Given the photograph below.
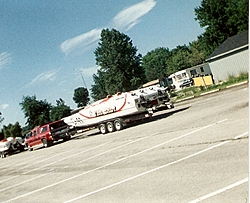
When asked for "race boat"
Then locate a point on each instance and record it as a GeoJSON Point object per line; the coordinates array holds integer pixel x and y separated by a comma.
{"type": "Point", "coordinates": [113, 112]}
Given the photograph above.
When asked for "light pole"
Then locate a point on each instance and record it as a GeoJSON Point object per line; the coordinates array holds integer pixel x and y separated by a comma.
{"type": "Point", "coordinates": [1, 120]}
{"type": "Point", "coordinates": [83, 80]}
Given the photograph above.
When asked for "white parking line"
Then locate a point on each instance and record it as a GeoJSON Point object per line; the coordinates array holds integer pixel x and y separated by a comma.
{"type": "Point", "coordinates": [20, 183]}
{"type": "Point", "coordinates": [19, 164]}
{"type": "Point", "coordinates": [220, 191]}
{"type": "Point", "coordinates": [153, 170]}
{"type": "Point", "coordinates": [28, 165]}
{"type": "Point", "coordinates": [59, 154]}
{"type": "Point", "coordinates": [110, 150]}
{"type": "Point", "coordinates": [100, 167]}
{"type": "Point", "coordinates": [64, 158]}
{"type": "Point", "coordinates": [130, 142]}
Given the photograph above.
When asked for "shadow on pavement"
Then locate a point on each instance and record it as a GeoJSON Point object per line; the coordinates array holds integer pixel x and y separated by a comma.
{"type": "Point", "coordinates": [167, 114]}
{"type": "Point", "coordinates": [160, 114]}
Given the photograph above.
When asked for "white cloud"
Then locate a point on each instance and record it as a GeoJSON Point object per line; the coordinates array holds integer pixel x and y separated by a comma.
{"type": "Point", "coordinates": [82, 41]}
{"type": "Point", "coordinates": [5, 59]}
{"type": "Point", "coordinates": [4, 106]}
{"type": "Point", "coordinates": [45, 77]}
{"type": "Point", "coordinates": [124, 20]}
{"type": "Point", "coordinates": [130, 16]}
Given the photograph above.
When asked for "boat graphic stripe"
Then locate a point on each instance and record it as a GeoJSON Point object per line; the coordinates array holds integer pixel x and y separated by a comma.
{"type": "Point", "coordinates": [123, 103]}
{"type": "Point", "coordinates": [90, 117]}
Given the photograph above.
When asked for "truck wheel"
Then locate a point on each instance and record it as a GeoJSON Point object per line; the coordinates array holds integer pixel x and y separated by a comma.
{"type": "Point", "coordinates": [28, 147]}
{"type": "Point", "coordinates": [110, 127]}
{"type": "Point", "coordinates": [118, 124]}
{"type": "Point", "coordinates": [46, 143]}
{"type": "Point", "coordinates": [103, 128]}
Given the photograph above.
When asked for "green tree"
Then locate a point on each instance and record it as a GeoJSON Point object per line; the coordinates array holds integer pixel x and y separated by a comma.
{"type": "Point", "coordinates": [154, 63]}
{"type": "Point", "coordinates": [59, 111]}
{"type": "Point", "coordinates": [81, 96]}
{"type": "Point", "coordinates": [242, 16]}
{"type": "Point", "coordinates": [36, 111]}
{"type": "Point", "coordinates": [221, 19]}
{"type": "Point", "coordinates": [16, 130]}
{"type": "Point", "coordinates": [119, 63]}
{"type": "Point", "coordinates": [179, 60]}
{"type": "Point", "coordinates": [7, 131]}
{"type": "Point", "coordinates": [12, 130]}
{"type": "Point", "coordinates": [197, 54]}
{"type": "Point", "coordinates": [98, 89]}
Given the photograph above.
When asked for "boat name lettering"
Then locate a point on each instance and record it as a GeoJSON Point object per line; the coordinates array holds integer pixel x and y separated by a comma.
{"type": "Point", "coordinates": [120, 98]}
{"type": "Point", "coordinates": [104, 111]}
{"type": "Point", "coordinates": [77, 120]}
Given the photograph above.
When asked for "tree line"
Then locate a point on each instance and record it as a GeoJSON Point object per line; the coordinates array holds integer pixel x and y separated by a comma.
{"type": "Point", "coordinates": [122, 68]}
{"type": "Point", "coordinates": [38, 112]}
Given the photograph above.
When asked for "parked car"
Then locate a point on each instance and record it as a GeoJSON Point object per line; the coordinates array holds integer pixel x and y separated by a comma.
{"type": "Point", "coordinates": [187, 83]}
{"type": "Point", "coordinates": [11, 145]}
{"type": "Point", "coordinates": [46, 134]}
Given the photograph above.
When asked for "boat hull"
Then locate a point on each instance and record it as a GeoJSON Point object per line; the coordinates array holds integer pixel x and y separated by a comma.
{"type": "Point", "coordinates": [117, 106]}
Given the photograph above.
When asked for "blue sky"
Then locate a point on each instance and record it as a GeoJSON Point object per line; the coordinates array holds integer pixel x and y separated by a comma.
{"type": "Point", "coordinates": [45, 46]}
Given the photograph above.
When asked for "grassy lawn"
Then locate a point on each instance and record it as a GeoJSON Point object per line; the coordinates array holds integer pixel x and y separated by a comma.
{"type": "Point", "coordinates": [197, 91]}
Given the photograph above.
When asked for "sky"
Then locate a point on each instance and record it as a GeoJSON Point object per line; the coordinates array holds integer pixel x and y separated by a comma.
{"type": "Point", "coordinates": [47, 47]}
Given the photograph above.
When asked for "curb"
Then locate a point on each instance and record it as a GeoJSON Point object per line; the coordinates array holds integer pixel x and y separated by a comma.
{"type": "Point", "coordinates": [210, 92]}
{"type": "Point", "coordinates": [205, 93]}
{"type": "Point", "coordinates": [237, 84]}
{"type": "Point", "coordinates": [184, 99]}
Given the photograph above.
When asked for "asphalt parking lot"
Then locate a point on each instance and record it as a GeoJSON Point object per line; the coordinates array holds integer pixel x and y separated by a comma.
{"type": "Point", "coordinates": [196, 152]}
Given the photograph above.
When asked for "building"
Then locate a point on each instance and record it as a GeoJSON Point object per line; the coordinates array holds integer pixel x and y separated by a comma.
{"type": "Point", "coordinates": [231, 58]}
{"type": "Point", "coordinates": [200, 74]}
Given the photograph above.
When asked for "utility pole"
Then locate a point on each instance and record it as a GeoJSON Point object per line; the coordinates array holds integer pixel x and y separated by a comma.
{"type": "Point", "coordinates": [1, 120]}
{"type": "Point", "coordinates": [83, 80]}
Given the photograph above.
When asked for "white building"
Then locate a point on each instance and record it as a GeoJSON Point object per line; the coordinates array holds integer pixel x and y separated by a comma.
{"type": "Point", "coordinates": [231, 58]}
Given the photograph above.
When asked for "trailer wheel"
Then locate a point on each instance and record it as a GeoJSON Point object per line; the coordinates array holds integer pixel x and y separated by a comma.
{"type": "Point", "coordinates": [110, 127]}
{"type": "Point", "coordinates": [67, 137]}
{"type": "Point", "coordinates": [3, 155]}
{"type": "Point", "coordinates": [103, 128]}
{"type": "Point", "coordinates": [118, 124]}
{"type": "Point", "coordinates": [20, 147]}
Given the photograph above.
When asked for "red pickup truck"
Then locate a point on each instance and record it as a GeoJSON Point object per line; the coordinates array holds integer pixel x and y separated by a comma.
{"type": "Point", "coordinates": [46, 134]}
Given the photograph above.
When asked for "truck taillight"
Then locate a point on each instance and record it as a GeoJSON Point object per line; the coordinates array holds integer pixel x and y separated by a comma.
{"type": "Point", "coordinates": [50, 135]}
